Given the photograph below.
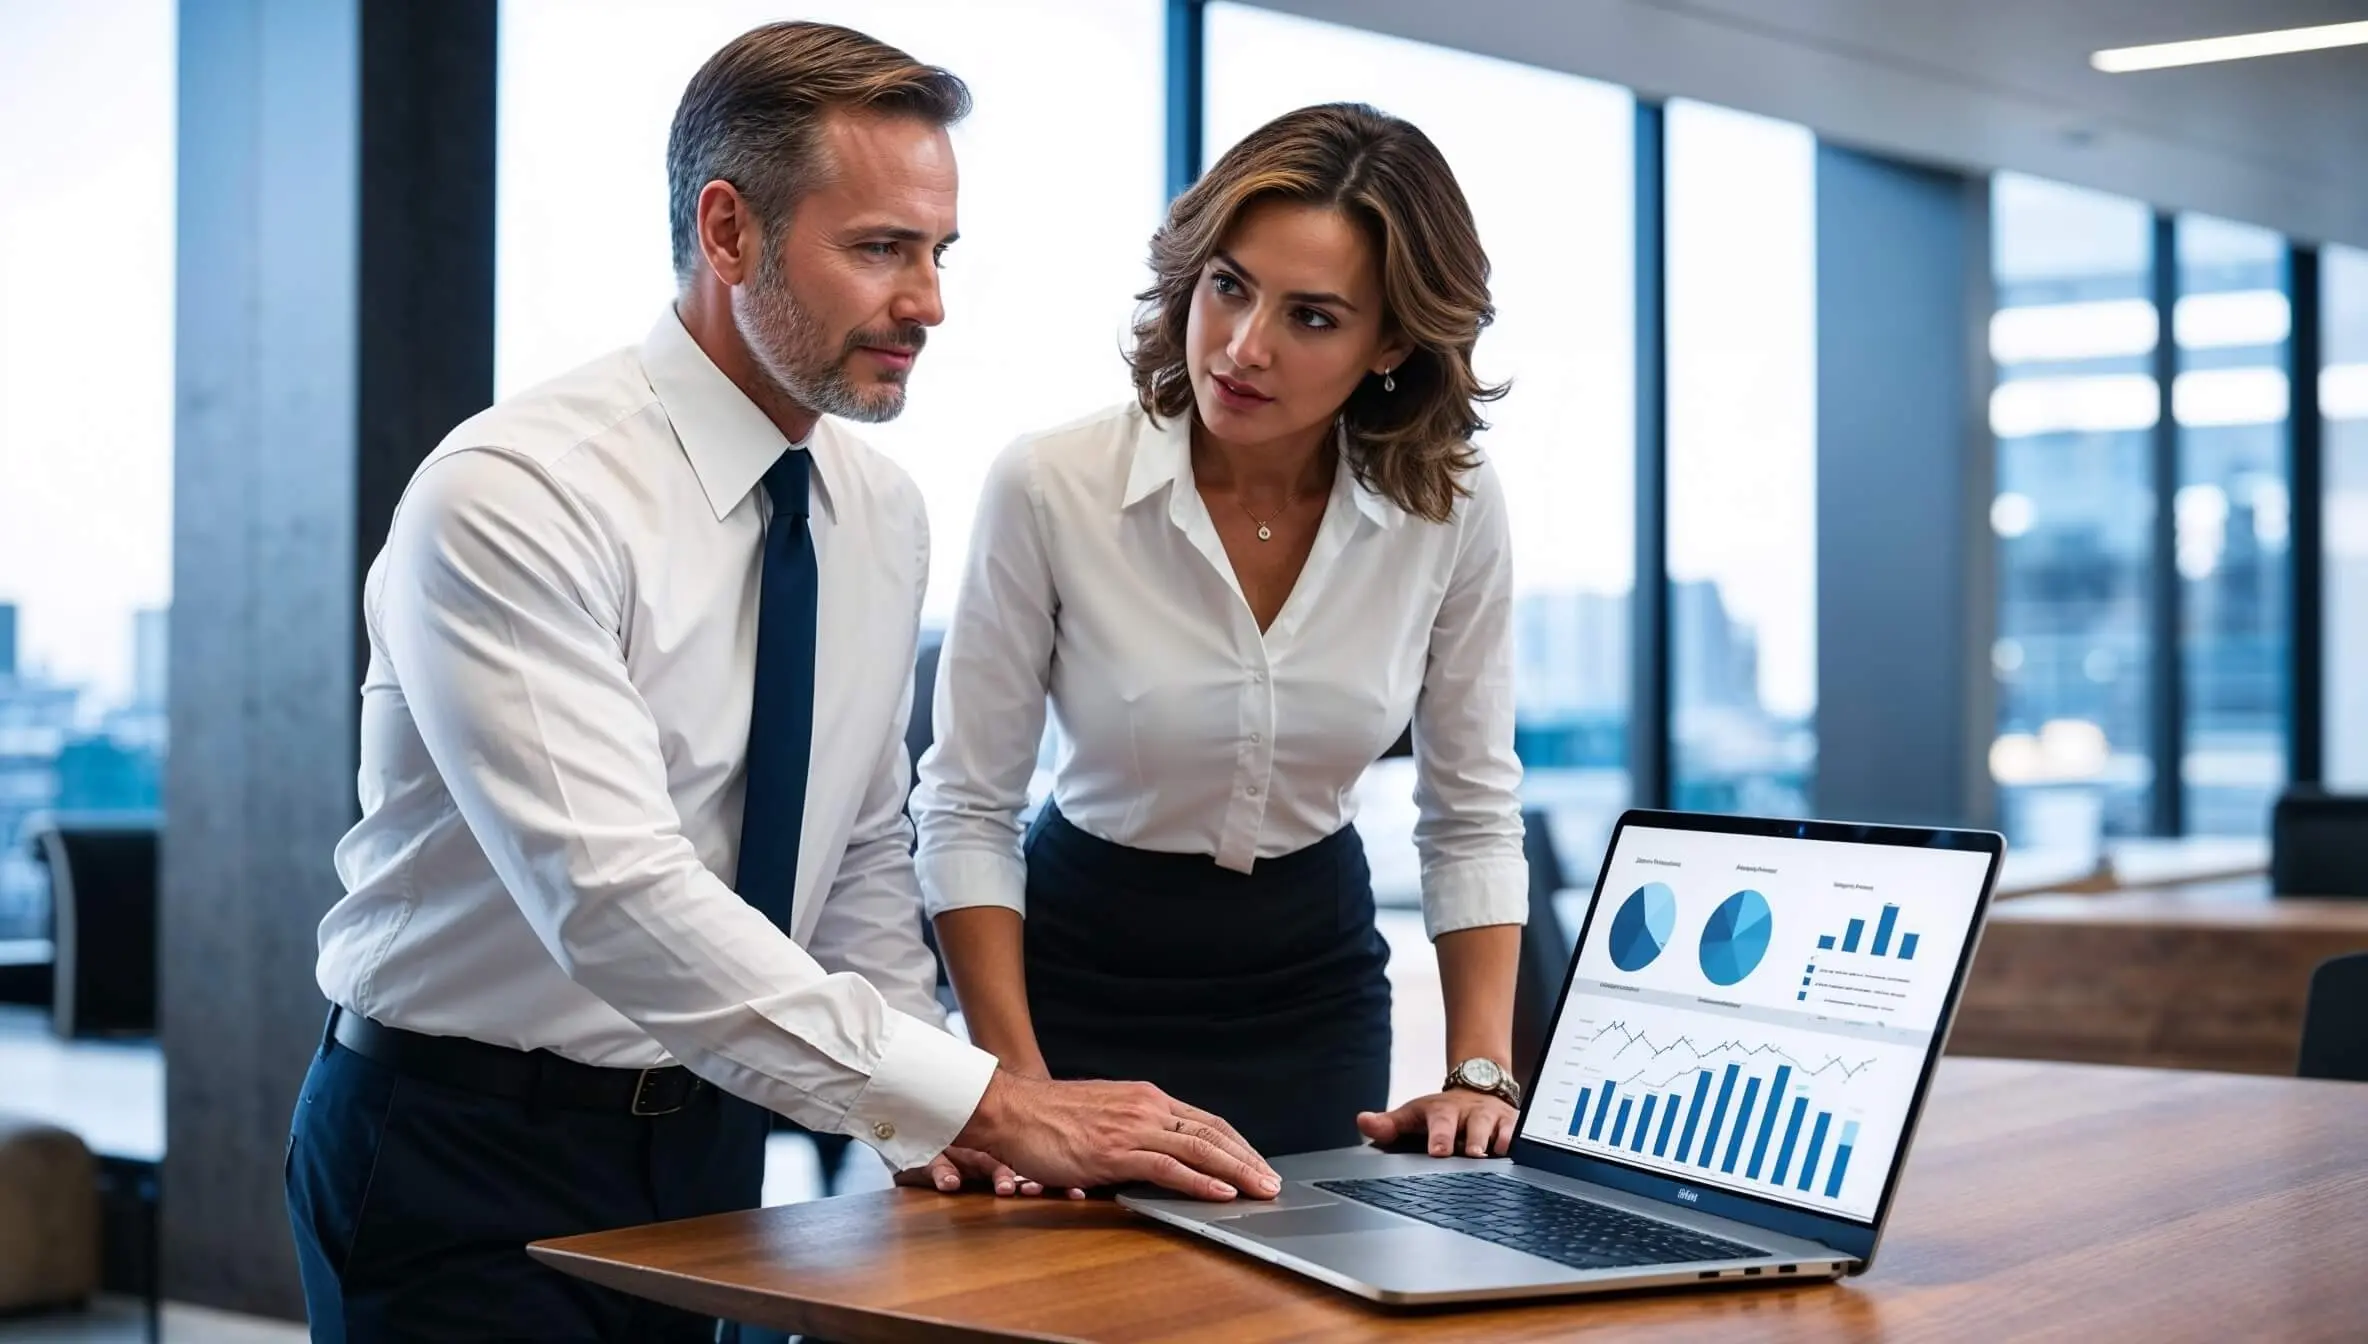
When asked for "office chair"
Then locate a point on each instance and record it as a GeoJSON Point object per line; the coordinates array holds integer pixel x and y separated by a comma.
{"type": "Point", "coordinates": [2335, 1021]}
{"type": "Point", "coordinates": [1545, 949]}
{"type": "Point", "coordinates": [2318, 843]}
{"type": "Point", "coordinates": [102, 881]}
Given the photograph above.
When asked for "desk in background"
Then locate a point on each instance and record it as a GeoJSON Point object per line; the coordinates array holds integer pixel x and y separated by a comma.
{"type": "Point", "coordinates": [2043, 1201]}
{"type": "Point", "coordinates": [2210, 976]}
{"type": "Point", "coordinates": [2143, 861]}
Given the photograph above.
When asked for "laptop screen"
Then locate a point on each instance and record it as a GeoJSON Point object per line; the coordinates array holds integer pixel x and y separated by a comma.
{"type": "Point", "coordinates": [1754, 1013]}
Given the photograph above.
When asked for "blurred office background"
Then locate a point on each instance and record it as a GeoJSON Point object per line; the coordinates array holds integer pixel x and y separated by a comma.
{"type": "Point", "coordinates": [1909, 423]}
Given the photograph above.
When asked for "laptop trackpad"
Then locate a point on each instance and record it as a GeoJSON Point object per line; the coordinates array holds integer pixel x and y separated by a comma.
{"type": "Point", "coordinates": [1322, 1220]}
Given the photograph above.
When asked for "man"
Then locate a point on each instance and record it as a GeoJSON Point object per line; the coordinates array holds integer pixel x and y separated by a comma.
{"type": "Point", "coordinates": [633, 868]}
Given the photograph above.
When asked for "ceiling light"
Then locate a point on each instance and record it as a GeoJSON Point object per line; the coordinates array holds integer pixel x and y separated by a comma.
{"type": "Point", "coordinates": [2242, 46]}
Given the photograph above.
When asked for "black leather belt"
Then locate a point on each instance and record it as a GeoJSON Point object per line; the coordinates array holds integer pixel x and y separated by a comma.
{"type": "Point", "coordinates": [537, 1077]}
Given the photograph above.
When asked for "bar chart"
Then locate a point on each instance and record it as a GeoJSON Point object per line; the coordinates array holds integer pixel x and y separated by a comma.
{"type": "Point", "coordinates": [1725, 1119]}
{"type": "Point", "coordinates": [1886, 925]}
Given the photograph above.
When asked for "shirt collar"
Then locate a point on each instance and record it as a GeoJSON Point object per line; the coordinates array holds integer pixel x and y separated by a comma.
{"type": "Point", "coordinates": [730, 443]}
{"type": "Point", "coordinates": [1163, 457]}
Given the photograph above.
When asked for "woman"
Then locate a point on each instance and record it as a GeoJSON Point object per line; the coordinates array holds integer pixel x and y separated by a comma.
{"type": "Point", "coordinates": [1234, 594]}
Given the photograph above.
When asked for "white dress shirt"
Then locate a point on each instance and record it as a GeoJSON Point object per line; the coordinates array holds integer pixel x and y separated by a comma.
{"type": "Point", "coordinates": [562, 648]}
{"type": "Point", "coordinates": [1096, 581]}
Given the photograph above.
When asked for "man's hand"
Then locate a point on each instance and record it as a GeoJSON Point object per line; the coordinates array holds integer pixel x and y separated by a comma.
{"type": "Point", "coordinates": [1079, 1135]}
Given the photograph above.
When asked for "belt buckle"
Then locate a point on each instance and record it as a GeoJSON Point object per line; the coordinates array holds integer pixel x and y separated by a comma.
{"type": "Point", "coordinates": [641, 1091]}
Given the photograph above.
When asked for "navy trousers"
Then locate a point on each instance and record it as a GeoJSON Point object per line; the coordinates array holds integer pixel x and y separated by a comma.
{"type": "Point", "coordinates": [1262, 996]}
{"type": "Point", "coordinates": [413, 1203]}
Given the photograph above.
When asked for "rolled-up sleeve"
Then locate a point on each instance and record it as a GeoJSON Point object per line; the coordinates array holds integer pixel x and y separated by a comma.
{"type": "Point", "coordinates": [499, 612]}
{"type": "Point", "coordinates": [992, 676]}
{"type": "Point", "coordinates": [1467, 778]}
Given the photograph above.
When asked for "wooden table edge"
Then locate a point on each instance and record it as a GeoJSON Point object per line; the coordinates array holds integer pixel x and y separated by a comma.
{"type": "Point", "coordinates": [796, 1315]}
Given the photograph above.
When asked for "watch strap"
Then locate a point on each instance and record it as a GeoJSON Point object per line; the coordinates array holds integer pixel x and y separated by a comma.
{"type": "Point", "coordinates": [1505, 1090]}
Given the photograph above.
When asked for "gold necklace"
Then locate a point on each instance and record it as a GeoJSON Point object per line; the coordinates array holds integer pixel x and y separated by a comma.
{"type": "Point", "coordinates": [1266, 532]}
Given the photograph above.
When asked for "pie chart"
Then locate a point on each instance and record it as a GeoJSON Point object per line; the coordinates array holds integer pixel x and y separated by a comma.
{"type": "Point", "coordinates": [1642, 927]}
{"type": "Point", "coordinates": [1734, 940]}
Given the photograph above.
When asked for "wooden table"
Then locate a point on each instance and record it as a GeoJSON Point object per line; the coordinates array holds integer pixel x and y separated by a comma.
{"type": "Point", "coordinates": [2043, 1201]}
{"type": "Point", "coordinates": [2211, 976]}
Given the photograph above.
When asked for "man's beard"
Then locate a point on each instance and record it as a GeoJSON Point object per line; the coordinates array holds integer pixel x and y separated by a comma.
{"type": "Point", "coordinates": [789, 345]}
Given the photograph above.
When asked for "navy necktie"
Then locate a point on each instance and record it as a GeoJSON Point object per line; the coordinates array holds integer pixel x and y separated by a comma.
{"type": "Point", "coordinates": [781, 720]}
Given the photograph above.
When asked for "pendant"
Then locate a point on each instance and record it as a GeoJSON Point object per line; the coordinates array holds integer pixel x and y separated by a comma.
{"type": "Point", "coordinates": [1265, 533]}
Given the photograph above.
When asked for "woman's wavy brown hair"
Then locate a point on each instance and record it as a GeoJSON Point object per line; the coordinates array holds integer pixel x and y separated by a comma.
{"type": "Point", "coordinates": [1410, 445]}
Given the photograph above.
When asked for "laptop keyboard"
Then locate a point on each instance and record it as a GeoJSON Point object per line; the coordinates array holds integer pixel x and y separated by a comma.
{"type": "Point", "coordinates": [1562, 1228]}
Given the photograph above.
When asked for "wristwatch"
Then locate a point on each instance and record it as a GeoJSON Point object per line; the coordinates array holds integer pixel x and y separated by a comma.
{"type": "Point", "coordinates": [1485, 1075]}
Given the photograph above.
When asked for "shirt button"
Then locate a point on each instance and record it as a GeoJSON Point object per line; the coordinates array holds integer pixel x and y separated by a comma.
{"type": "Point", "coordinates": [1255, 739]}
{"type": "Point", "coordinates": [883, 1131]}
{"type": "Point", "coordinates": [1253, 790]}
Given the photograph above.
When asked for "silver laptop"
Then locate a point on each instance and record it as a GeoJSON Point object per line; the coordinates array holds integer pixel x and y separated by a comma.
{"type": "Point", "coordinates": [1726, 1094]}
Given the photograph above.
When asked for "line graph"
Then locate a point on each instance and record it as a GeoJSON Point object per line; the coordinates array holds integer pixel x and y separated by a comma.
{"type": "Point", "coordinates": [1631, 1041]}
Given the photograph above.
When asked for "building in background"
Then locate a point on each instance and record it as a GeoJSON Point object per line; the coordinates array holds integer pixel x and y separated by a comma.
{"type": "Point", "coordinates": [61, 753]}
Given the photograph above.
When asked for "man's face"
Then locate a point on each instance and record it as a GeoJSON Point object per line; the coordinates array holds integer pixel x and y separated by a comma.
{"type": "Point", "coordinates": [843, 298]}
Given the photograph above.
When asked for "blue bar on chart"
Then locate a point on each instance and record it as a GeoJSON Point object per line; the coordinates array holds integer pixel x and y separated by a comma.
{"type": "Point", "coordinates": [1883, 928]}
{"type": "Point", "coordinates": [1825, 941]}
{"type": "Point", "coordinates": [1620, 1125]}
{"type": "Point", "coordinates": [1718, 1115]}
{"type": "Point", "coordinates": [1816, 1146]}
{"type": "Point", "coordinates": [1644, 1121]}
{"type": "Point", "coordinates": [1759, 1146]}
{"type": "Point", "coordinates": [1578, 1113]}
{"type": "Point", "coordinates": [1603, 1107]}
{"type": "Point", "coordinates": [1685, 1144]}
{"type": "Point", "coordinates": [1850, 935]}
{"type": "Point", "coordinates": [1751, 1094]}
{"type": "Point", "coordinates": [1668, 1122]}
{"type": "Point", "coordinates": [1907, 947]}
{"type": "Point", "coordinates": [1833, 1178]}
{"type": "Point", "coordinates": [1792, 1131]}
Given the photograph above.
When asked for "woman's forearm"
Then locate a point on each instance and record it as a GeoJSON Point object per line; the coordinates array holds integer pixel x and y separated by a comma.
{"type": "Point", "coordinates": [1476, 970]}
{"type": "Point", "coordinates": [982, 947]}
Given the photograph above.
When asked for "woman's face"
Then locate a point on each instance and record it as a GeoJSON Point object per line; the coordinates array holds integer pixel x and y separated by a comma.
{"type": "Point", "coordinates": [1285, 321]}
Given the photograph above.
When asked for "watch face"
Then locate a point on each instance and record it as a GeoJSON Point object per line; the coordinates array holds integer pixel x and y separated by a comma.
{"type": "Point", "coordinates": [1482, 1073]}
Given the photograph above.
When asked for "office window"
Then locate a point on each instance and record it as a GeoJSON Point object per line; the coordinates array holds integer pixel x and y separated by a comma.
{"type": "Point", "coordinates": [2073, 339]}
{"type": "Point", "coordinates": [1742, 311]}
{"type": "Point", "coordinates": [86, 419]}
{"type": "Point", "coordinates": [2343, 404]}
{"type": "Point", "coordinates": [1062, 183]}
{"type": "Point", "coordinates": [1561, 245]}
{"type": "Point", "coordinates": [2230, 401]}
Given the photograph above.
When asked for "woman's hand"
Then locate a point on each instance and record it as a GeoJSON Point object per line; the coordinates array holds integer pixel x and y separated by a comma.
{"type": "Point", "coordinates": [1479, 1124]}
{"type": "Point", "coordinates": [956, 1168]}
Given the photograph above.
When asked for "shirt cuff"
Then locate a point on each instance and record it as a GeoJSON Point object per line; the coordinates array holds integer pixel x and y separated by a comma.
{"type": "Point", "coordinates": [1473, 893]}
{"type": "Point", "coordinates": [921, 1094]}
{"type": "Point", "coordinates": [953, 879]}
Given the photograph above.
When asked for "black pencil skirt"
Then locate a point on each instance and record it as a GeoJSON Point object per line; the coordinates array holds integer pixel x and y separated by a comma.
{"type": "Point", "coordinates": [1261, 996]}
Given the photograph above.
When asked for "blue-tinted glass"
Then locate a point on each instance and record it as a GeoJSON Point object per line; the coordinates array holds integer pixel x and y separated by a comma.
{"type": "Point", "coordinates": [1742, 287]}
{"type": "Point", "coordinates": [2073, 339]}
{"type": "Point", "coordinates": [2231, 511]}
{"type": "Point", "coordinates": [86, 419]}
{"type": "Point", "coordinates": [1561, 247]}
{"type": "Point", "coordinates": [2343, 402]}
